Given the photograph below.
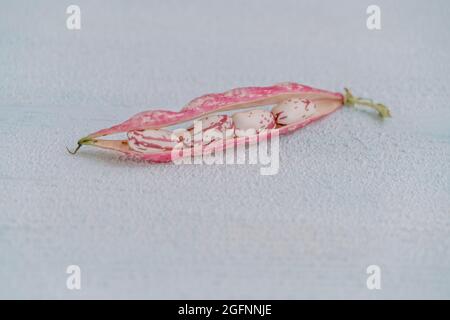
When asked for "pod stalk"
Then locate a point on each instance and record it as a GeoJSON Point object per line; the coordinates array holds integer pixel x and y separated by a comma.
{"type": "Point", "coordinates": [351, 101]}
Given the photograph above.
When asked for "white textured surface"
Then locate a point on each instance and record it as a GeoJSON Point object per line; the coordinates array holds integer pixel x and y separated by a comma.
{"type": "Point", "coordinates": [351, 190]}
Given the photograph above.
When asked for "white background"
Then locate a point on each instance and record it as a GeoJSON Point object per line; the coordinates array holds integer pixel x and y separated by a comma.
{"type": "Point", "coordinates": [351, 191]}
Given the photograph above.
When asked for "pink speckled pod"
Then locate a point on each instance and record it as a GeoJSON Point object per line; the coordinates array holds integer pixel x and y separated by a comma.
{"type": "Point", "coordinates": [325, 103]}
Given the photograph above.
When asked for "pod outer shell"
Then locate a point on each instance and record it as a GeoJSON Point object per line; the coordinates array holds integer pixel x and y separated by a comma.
{"type": "Point", "coordinates": [229, 100]}
{"type": "Point", "coordinates": [240, 98]}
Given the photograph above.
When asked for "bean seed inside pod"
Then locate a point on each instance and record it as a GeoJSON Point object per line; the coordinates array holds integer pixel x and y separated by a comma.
{"type": "Point", "coordinates": [151, 140]}
{"type": "Point", "coordinates": [215, 127]}
{"type": "Point", "coordinates": [293, 110]}
{"type": "Point", "coordinates": [253, 122]}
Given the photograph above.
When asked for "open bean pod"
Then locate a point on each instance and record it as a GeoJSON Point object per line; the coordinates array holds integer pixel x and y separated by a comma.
{"type": "Point", "coordinates": [149, 136]}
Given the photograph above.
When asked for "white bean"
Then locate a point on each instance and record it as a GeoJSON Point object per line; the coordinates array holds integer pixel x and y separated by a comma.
{"type": "Point", "coordinates": [293, 110]}
{"type": "Point", "coordinates": [215, 127]}
{"type": "Point", "coordinates": [252, 122]}
{"type": "Point", "coordinates": [151, 140]}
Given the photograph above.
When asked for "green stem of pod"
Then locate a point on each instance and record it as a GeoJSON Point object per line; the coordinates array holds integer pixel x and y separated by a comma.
{"type": "Point", "coordinates": [351, 101]}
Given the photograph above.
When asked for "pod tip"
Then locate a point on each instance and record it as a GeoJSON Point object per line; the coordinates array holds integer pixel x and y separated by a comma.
{"type": "Point", "coordinates": [75, 151]}
{"type": "Point", "coordinates": [82, 141]}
